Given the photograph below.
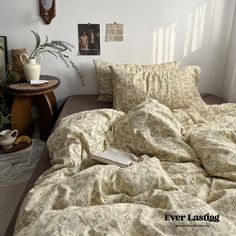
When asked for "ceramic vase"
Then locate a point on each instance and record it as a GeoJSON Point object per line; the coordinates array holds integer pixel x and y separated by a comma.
{"type": "Point", "coordinates": [31, 66]}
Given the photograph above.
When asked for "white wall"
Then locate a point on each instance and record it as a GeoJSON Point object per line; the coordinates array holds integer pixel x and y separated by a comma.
{"type": "Point", "coordinates": [193, 31]}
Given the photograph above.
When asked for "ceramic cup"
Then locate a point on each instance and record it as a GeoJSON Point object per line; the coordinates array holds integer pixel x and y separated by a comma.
{"type": "Point", "coordinates": [7, 138]}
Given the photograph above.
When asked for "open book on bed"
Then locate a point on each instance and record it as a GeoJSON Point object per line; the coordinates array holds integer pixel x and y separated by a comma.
{"type": "Point", "coordinates": [114, 156]}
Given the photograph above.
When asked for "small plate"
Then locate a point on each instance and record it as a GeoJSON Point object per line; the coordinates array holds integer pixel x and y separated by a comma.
{"type": "Point", "coordinates": [38, 82]}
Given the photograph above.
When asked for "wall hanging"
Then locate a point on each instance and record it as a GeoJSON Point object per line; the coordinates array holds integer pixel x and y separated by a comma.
{"type": "Point", "coordinates": [47, 9]}
{"type": "Point", "coordinates": [114, 32]}
{"type": "Point", "coordinates": [89, 39]}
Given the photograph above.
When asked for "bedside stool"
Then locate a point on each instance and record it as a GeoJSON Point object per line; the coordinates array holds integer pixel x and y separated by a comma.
{"type": "Point", "coordinates": [42, 97]}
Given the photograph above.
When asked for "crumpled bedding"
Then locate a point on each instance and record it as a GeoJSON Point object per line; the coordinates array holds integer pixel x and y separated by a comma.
{"type": "Point", "coordinates": [187, 167]}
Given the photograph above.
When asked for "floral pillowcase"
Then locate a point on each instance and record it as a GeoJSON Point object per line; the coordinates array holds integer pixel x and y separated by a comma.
{"type": "Point", "coordinates": [175, 88]}
{"type": "Point", "coordinates": [104, 75]}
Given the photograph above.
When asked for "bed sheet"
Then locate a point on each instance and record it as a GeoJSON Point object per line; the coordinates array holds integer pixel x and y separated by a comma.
{"type": "Point", "coordinates": [183, 184]}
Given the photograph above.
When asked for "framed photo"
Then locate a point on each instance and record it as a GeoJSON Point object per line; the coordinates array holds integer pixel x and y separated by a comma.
{"type": "Point", "coordinates": [89, 39]}
{"type": "Point", "coordinates": [3, 56]}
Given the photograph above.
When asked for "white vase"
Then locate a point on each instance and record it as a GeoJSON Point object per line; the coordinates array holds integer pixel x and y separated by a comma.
{"type": "Point", "coordinates": [31, 67]}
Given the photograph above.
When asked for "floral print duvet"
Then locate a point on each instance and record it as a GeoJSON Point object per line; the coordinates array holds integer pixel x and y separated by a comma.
{"type": "Point", "coordinates": [183, 184]}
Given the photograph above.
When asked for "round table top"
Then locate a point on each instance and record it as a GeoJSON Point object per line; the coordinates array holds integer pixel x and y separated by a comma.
{"type": "Point", "coordinates": [27, 89]}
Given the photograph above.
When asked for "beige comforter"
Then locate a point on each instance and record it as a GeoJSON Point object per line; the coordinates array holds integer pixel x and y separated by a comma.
{"type": "Point", "coordinates": [183, 184]}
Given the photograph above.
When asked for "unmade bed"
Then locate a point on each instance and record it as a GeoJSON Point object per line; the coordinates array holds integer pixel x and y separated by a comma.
{"type": "Point", "coordinates": [182, 184]}
{"type": "Point", "coordinates": [186, 180]}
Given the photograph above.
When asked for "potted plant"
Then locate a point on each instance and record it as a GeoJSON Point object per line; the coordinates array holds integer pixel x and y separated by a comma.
{"type": "Point", "coordinates": [10, 78]}
{"type": "Point", "coordinates": [57, 48]}
{"type": "Point", "coordinates": [4, 114]}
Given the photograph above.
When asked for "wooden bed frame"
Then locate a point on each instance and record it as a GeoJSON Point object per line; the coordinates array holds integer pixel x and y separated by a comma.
{"type": "Point", "coordinates": [73, 104]}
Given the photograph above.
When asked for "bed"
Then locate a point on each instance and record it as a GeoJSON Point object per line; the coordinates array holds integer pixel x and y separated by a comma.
{"type": "Point", "coordinates": [183, 183]}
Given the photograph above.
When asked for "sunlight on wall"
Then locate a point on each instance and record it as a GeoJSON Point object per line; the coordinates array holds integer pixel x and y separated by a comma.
{"type": "Point", "coordinates": [197, 33]}
{"type": "Point", "coordinates": [196, 29]}
{"type": "Point", "coordinates": [164, 44]}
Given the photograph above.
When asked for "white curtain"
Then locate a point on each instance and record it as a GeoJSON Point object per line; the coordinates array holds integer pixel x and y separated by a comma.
{"type": "Point", "coordinates": [232, 91]}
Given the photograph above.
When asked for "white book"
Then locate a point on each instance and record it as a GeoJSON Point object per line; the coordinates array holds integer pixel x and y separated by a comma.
{"type": "Point", "coordinates": [114, 156]}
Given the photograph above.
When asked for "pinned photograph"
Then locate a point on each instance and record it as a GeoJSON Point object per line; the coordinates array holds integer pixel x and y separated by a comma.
{"type": "Point", "coordinates": [89, 39]}
{"type": "Point", "coordinates": [114, 32]}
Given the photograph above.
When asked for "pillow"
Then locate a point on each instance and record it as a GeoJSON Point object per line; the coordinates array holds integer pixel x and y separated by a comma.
{"type": "Point", "coordinates": [175, 88]}
{"type": "Point", "coordinates": [104, 75]}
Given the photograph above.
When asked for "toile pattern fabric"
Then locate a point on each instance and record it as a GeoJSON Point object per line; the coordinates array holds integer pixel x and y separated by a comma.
{"type": "Point", "coordinates": [175, 88]}
{"type": "Point", "coordinates": [104, 75]}
{"type": "Point", "coordinates": [187, 165]}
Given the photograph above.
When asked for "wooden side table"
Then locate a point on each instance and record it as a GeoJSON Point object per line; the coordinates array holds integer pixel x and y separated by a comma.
{"type": "Point", "coordinates": [42, 97]}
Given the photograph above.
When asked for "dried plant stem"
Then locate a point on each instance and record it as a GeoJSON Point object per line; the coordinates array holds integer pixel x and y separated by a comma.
{"type": "Point", "coordinates": [57, 48]}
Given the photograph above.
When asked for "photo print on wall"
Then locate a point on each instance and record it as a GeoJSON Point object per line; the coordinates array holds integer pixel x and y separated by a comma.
{"type": "Point", "coordinates": [89, 39]}
{"type": "Point", "coordinates": [114, 32]}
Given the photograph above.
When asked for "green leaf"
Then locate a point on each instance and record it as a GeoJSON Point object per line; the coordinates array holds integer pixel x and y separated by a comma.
{"type": "Point", "coordinates": [38, 42]}
{"type": "Point", "coordinates": [46, 39]}
{"type": "Point", "coordinates": [38, 39]}
{"type": "Point", "coordinates": [3, 120]}
{"type": "Point", "coordinates": [53, 53]}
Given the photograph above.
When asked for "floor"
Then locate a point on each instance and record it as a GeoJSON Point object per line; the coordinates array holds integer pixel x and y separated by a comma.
{"type": "Point", "coordinates": [10, 196]}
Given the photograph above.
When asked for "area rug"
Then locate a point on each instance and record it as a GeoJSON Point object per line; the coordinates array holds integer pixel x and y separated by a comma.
{"type": "Point", "coordinates": [18, 167]}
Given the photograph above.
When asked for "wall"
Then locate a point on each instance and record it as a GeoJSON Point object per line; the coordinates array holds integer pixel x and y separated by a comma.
{"type": "Point", "coordinates": [229, 92]}
{"type": "Point", "coordinates": [192, 31]}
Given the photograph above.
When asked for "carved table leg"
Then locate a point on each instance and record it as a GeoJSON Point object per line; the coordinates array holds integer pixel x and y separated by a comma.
{"type": "Point", "coordinates": [45, 106]}
{"type": "Point", "coordinates": [53, 101]}
{"type": "Point", "coordinates": [21, 115]}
